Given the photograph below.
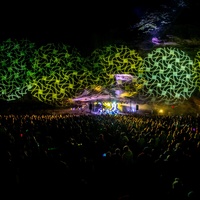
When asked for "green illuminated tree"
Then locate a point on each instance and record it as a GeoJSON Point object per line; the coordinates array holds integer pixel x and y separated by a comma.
{"type": "Point", "coordinates": [16, 61]}
{"type": "Point", "coordinates": [169, 76]}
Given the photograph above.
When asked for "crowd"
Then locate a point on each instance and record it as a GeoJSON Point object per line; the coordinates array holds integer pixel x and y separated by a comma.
{"type": "Point", "coordinates": [98, 157]}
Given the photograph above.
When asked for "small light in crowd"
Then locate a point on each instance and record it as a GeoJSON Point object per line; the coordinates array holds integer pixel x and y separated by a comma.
{"type": "Point", "coordinates": [161, 111]}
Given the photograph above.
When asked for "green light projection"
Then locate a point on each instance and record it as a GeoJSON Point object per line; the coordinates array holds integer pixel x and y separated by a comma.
{"type": "Point", "coordinates": [16, 59]}
{"type": "Point", "coordinates": [59, 73]}
{"type": "Point", "coordinates": [197, 69]}
{"type": "Point", "coordinates": [112, 60]}
{"type": "Point", "coordinates": [169, 76]}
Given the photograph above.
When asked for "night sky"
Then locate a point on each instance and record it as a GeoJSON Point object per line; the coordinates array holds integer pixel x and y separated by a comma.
{"type": "Point", "coordinates": [84, 24]}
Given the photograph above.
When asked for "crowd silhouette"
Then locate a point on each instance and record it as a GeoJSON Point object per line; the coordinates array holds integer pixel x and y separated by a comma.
{"type": "Point", "coordinates": [98, 157]}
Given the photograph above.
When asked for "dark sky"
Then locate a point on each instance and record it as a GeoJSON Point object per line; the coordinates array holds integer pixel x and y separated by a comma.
{"type": "Point", "coordinates": [56, 21]}
{"type": "Point", "coordinates": [82, 23]}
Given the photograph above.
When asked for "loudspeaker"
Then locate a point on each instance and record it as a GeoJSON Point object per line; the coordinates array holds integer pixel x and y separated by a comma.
{"type": "Point", "coordinates": [137, 107]}
{"type": "Point", "coordinates": [90, 106]}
